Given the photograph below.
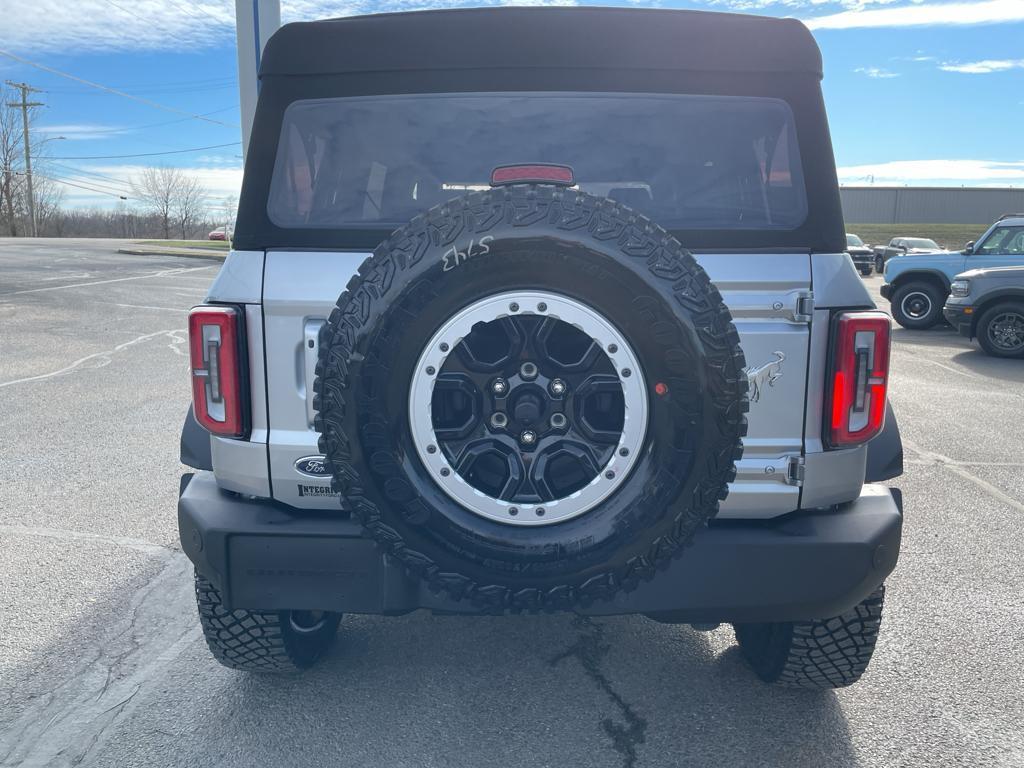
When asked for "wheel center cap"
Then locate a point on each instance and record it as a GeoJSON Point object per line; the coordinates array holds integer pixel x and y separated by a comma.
{"type": "Point", "coordinates": [528, 408]}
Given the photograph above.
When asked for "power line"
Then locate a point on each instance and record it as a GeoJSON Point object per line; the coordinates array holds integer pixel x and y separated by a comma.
{"type": "Point", "coordinates": [80, 186]}
{"type": "Point", "coordinates": [149, 154]}
{"type": "Point", "coordinates": [139, 99]}
{"type": "Point", "coordinates": [114, 185]}
{"type": "Point", "coordinates": [155, 90]}
{"type": "Point", "coordinates": [206, 82]}
{"type": "Point", "coordinates": [140, 18]}
{"type": "Point", "coordinates": [80, 171]}
{"type": "Point", "coordinates": [130, 128]}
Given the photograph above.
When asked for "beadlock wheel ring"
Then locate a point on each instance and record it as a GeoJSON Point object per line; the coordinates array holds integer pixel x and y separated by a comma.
{"type": "Point", "coordinates": [610, 475]}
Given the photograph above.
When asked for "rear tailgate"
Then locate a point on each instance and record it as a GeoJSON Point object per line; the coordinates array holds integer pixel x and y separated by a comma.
{"type": "Point", "coordinates": [769, 296]}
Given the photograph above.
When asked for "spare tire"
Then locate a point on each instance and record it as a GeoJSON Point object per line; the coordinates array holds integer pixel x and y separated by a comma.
{"type": "Point", "coordinates": [531, 397]}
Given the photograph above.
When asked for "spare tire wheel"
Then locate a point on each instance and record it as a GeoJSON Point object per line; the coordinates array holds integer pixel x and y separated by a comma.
{"type": "Point", "coordinates": [531, 397]}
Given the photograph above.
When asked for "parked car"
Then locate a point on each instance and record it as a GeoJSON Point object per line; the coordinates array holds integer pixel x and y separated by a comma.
{"type": "Point", "coordinates": [917, 285]}
{"type": "Point", "coordinates": [461, 361]}
{"type": "Point", "coordinates": [901, 246]}
{"type": "Point", "coordinates": [220, 233]}
{"type": "Point", "coordinates": [862, 254]}
{"type": "Point", "coordinates": [988, 304]}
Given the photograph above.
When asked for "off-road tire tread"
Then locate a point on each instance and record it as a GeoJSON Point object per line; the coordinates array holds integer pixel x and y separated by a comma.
{"type": "Point", "coordinates": [250, 641]}
{"type": "Point", "coordinates": [829, 653]}
{"type": "Point", "coordinates": [523, 205]}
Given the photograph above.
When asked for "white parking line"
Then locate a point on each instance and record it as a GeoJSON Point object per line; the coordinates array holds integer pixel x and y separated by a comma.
{"type": "Point", "coordinates": [162, 273]}
{"type": "Point", "coordinates": [144, 306]}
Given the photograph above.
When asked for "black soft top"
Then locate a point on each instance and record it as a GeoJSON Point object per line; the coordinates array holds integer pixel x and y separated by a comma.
{"type": "Point", "coordinates": [547, 49]}
{"type": "Point", "coordinates": [594, 38]}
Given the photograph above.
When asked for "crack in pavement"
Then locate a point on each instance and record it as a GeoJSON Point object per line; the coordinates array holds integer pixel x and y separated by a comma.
{"type": "Point", "coordinates": [960, 468]}
{"type": "Point", "coordinates": [589, 650]}
{"type": "Point", "coordinates": [87, 706]}
{"type": "Point", "coordinates": [104, 358]}
{"type": "Point", "coordinates": [67, 534]}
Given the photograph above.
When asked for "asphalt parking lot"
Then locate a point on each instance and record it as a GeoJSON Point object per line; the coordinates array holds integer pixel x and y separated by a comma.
{"type": "Point", "coordinates": [102, 662]}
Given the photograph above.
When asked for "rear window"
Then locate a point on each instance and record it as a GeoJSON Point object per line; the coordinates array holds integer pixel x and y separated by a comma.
{"type": "Point", "coordinates": [688, 162]}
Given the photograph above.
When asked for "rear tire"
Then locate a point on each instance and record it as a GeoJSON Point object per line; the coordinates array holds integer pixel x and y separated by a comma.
{"type": "Point", "coordinates": [254, 641]}
{"type": "Point", "coordinates": [1001, 330]}
{"type": "Point", "coordinates": [917, 306]}
{"type": "Point", "coordinates": [865, 271]}
{"type": "Point", "coordinates": [829, 653]}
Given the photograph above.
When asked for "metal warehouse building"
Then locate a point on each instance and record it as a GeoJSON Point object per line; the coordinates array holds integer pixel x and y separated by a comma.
{"type": "Point", "coordinates": [928, 205]}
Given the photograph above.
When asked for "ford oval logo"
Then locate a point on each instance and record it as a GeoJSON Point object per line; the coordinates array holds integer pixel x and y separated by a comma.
{"type": "Point", "coordinates": [313, 466]}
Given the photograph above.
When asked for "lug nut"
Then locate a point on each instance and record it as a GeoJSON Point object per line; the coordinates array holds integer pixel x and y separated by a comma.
{"type": "Point", "coordinates": [528, 371]}
{"type": "Point", "coordinates": [557, 387]}
{"type": "Point", "coordinates": [557, 420]}
{"type": "Point", "coordinates": [498, 420]}
{"type": "Point", "coordinates": [499, 387]}
{"type": "Point", "coordinates": [529, 437]}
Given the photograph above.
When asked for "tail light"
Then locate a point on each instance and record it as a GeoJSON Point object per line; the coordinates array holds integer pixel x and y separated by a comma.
{"type": "Point", "coordinates": [216, 345]}
{"type": "Point", "coordinates": [858, 377]}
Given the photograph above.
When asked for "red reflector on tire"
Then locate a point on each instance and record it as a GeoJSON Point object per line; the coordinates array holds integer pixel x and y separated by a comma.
{"type": "Point", "coordinates": [215, 346]}
{"type": "Point", "coordinates": [859, 377]}
{"type": "Point", "coordinates": [536, 173]}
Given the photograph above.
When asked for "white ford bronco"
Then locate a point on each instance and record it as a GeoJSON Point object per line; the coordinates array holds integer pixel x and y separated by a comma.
{"type": "Point", "coordinates": [541, 309]}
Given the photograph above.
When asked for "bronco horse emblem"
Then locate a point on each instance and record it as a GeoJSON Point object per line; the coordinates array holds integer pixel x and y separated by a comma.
{"type": "Point", "coordinates": [768, 374]}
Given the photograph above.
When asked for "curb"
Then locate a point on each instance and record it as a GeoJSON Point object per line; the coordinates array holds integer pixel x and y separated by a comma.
{"type": "Point", "coordinates": [188, 254]}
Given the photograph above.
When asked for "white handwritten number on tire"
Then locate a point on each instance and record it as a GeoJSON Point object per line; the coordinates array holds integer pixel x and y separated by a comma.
{"type": "Point", "coordinates": [454, 256]}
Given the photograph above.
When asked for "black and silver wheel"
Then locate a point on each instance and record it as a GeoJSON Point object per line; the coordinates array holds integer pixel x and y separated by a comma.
{"type": "Point", "coordinates": [1001, 330]}
{"type": "Point", "coordinates": [829, 653]}
{"type": "Point", "coordinates": [262, 641]}
{"type": "Point", "coordinates": [528, 408]}
{"type": "Point", "coordinates": [917, 305]}
{"type": "Point", "coordinates": [531, 397]}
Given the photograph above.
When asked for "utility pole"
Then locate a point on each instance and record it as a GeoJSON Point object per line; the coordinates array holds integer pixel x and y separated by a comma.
{"type": "Point", "coordinates": [25, 105]}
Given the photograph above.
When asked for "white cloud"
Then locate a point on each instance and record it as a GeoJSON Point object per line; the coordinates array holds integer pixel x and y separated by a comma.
{"type": "Point", "coordinates": [877, 72]}
{"type": "Point", "coordinates": [945, 172]}
{"type": "Point", "coordinates": [130, 25]}
{"type": "Point", "coordinates": [923, 15]}
{"type": "Point", "coordinates": [82, 131]}
{"type": "Point", "coordinates": [984, 67]}
{"type": "Point", "coordinates": [219, 183]}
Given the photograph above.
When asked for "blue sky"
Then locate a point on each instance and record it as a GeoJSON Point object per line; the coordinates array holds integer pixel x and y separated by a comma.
{"type": "Point", "coordinates": [917, 92]}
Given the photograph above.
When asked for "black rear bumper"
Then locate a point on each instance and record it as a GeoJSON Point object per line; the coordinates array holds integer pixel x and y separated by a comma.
{"type": "Point", "coordinates": [807, 565]}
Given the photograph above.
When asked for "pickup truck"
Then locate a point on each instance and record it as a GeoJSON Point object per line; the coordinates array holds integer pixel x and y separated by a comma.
{"type": "Point", "coordinates": [901, 246]}
{"type": "Point", "coordinates": [917, 284]}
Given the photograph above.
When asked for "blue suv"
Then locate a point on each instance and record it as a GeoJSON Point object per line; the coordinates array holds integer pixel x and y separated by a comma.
{"type": "Point", "coordinates": [917, 284]}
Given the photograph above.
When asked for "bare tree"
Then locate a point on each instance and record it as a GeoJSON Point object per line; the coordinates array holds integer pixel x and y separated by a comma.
{"type": "Point", "coordinates": [49, 197]}
{"type": "Point", "coordinates": [11, 163]}
{"type": "Point", "coordinates": [160, 189]}
{"type": "Point", "coordinates": [230, 212]}
{"type": "Point", "coordinates": [189, 203]}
